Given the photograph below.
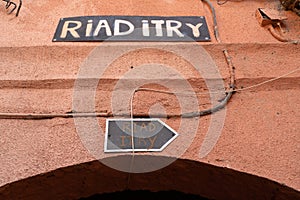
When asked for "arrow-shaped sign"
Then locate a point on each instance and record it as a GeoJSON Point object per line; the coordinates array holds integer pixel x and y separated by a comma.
{"type": "Point", "coordinates": [127, 135]}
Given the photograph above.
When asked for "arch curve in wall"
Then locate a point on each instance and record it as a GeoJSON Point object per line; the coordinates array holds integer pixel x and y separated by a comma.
{"type": "Point", "coordinates": [186, 176]}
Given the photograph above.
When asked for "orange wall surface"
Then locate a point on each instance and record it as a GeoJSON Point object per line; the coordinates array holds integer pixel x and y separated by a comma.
{"type": "Point", "coordinates": [260, 135]}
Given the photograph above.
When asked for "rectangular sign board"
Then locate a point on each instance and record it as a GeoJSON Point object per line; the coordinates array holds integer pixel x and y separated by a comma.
{"type": "Point", "coordinates": [127, 135]}
{"type": "Point", "coordinates": [132, 28]}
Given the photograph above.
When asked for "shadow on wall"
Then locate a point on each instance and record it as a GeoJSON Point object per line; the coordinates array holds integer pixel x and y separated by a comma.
{"type": "Point", "coordinates": [185, 176]}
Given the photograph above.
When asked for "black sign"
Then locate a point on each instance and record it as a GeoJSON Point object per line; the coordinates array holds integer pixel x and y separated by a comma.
{"type": "Point", "coordinates": [131, 28]}
{"type": "Point", "coordinates": [126, 135]}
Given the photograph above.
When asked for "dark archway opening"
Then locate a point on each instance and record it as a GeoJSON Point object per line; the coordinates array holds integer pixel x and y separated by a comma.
{"type": "Point", "coordinates": [145, 195]}
{"type": "Point", "coordinates": [181, 178]}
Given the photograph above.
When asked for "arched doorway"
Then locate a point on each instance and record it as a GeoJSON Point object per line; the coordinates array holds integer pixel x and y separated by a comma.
{"type": "Point", "coordinates": [87, 180]}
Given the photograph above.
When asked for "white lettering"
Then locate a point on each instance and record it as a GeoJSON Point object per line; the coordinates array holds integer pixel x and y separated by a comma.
{"type": "Point", "coordinates": [158, 27]}
{"type": "Point", "coordinates": [103, 24]}
{"type": "Point", "coordinates": [146, 31]}
{"type": "Point", "coordinates": [72, 30]}
{"type": "Point", "coordinates": [89, 27]}
{"type": "Point", "coordinates": [195, 29]}
{"type": "Point", "coordinates": [171, 29]}
{"type": "Point", "coordinates": [118, 22]}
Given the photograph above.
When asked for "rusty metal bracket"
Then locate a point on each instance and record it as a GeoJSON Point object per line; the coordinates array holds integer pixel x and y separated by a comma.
{"type": "Point", "coordinates": [267, 16]}
{"type": "Point", "coordinates": [271, 19]}
{"type": "Point", "coordinates": [279, 36]}
{"type": "Point", "coordinates": [14, 6]}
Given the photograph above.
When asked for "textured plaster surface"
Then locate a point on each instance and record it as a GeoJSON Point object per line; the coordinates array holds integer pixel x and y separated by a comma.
{"type": "Point", "coordinates": [261, 131]}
